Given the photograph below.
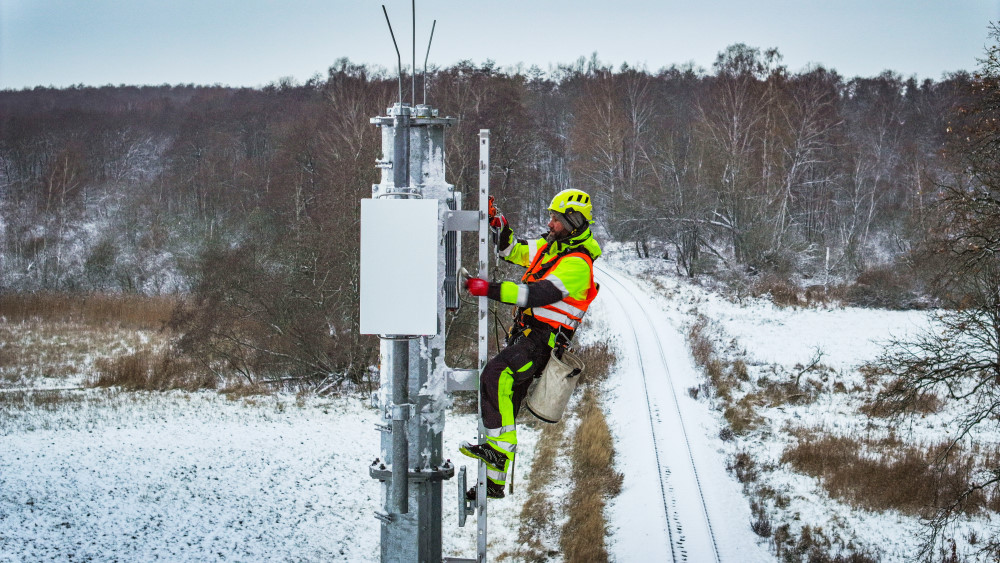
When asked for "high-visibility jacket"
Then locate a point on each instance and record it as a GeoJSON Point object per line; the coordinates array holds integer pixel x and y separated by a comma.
{"type": "Point", "coordinates": [567, 266]}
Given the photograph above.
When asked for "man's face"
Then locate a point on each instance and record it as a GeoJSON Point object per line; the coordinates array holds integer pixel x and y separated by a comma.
{"type": "Point", "coordinates": [555, 226]}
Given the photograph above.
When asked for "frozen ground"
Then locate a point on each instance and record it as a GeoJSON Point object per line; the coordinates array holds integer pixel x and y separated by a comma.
{"type": "Point", "coordinates": [113, 476]}
{"type": "Point", "coordinates": [677, 502]}
{"type": "Point", "coordinates": [775, 342]}
{"type": "Point", "coordinates": [180, 477]}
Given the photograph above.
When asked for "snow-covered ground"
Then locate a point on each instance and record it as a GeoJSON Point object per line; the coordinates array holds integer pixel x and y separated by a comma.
{"type": "Point", "coordinates": [116, 476]}
{"type": "Point", "coordinates": [775, 342]}
{"type": "Point", "coordinates": [109, 476]}
{"type": "Point", "coordinates": [677, 501]}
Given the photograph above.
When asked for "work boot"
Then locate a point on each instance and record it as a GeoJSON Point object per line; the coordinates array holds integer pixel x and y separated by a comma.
{"type": "Point", "coordinates": [492, 491]}
{"type": "Point", "coordinates": [496, 460]}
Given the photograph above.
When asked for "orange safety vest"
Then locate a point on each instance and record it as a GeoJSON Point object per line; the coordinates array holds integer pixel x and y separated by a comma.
{"type": "Point", "coordinates": [568, 313]}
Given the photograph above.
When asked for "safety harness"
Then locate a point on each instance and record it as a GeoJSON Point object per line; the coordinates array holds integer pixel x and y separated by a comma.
{"type": "Point", "coordinates": [553, 325]}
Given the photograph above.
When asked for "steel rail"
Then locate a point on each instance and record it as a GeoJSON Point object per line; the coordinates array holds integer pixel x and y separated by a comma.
{"type": "Point", "coordinates": [673, 392]}
{"type": "Point", "coordinates": [652, 426]}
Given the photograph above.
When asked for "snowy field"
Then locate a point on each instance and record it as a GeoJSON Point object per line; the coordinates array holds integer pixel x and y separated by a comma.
{"type": "Point", "coordinates": [776, 342]}
{"type": "Point", "coordinates": [112, 476]}
{"type": "Point", "coordinates": [119, 476]}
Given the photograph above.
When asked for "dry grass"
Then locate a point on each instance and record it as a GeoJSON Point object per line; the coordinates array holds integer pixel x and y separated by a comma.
{"type": "Point", "coordinates": [92, 340]}
{"type": "Point", "coordinates": [136, 312]}
{"type": "Point", "coordinates": [921, 404]}
{"type": "Point", "coordinates": [887, 474]}
{"type": "Point", "coordinates": [742, 416]}
{"type": "Point", "coordinates": [150, 371]}
{"type": "Point", "coordinates": [702, 348]}
{"type": "Point", "coordinates": [595, 480]}
{"type": "Point", "coordinates": [812, 545]}
{"type": "Point", "coordinates": [598, 359]}
{"type": "Point", "coordinates": [36, 349]}
{"type": "Point", "coordinates": [738, 369]}
{"type": "Point", "coordinates": [705, 356]}
{"type": "Point", "coordinates": [40, 400]}
{"type": "Point", "coordinates": [237, 389]}
{"type": "Point", "coordinates": [539, 512]}
{"type": "Point", "coordinates": [723, 376]}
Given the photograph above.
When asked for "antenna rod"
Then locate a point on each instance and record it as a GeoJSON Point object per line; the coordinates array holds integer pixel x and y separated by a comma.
{"type": "Point", "coordinates": [399, 60]}
{"type": "Point", "coordinates": [413, 75]}
{"type": "Point", "coordinates": [425, 59]}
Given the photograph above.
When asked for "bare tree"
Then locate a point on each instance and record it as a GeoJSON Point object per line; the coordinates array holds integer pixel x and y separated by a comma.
{"type": "Point", "coordinates": [810, 117]}
{"type": "Point", "coordinates": [961, 357]}
{"type": "Point", "coordinates": [611, 133]}
{"type": "Point", "coordinates": [61, 203]}
{"type": "Point", "coordinates": [958, 359]}
{"type": "Point", "coordinates": [736, 118]}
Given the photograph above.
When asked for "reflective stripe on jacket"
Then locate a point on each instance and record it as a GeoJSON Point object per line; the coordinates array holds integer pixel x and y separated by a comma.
{"type": "Point", "coordinates": [565, 271]}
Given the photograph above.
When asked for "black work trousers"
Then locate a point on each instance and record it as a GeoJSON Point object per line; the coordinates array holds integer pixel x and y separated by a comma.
{"type": "Point", "coordinates": [503, 386]}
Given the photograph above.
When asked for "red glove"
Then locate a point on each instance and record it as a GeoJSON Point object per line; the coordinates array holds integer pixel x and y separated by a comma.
{"type": "Point", "coordinates": [498, 222]}
{"type": "Point", "coordinates": [477, 286]}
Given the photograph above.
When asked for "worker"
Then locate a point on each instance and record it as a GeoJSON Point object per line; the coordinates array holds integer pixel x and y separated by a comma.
{"type": "Point", "coordinates": [551, 299]}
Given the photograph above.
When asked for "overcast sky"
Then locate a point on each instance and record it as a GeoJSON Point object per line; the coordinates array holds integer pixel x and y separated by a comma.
{"type": "Point", "coordinates": [256, 42]}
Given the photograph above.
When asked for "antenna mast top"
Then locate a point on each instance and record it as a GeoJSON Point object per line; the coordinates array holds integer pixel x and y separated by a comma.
{"type": "Point", "coordinates": [431, 40]}
{"type": "Point", "coordinates": [413, 70]}
{"type": "Point", "coordinates": [399, 59]}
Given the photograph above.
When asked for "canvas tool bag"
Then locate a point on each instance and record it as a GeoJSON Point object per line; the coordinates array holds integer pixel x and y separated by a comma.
{"type": "Point", "coordinates": [549, 394]}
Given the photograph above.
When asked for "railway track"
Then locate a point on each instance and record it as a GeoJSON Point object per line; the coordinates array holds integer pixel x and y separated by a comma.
{"type": "Point", "coordinates": [690, 535]}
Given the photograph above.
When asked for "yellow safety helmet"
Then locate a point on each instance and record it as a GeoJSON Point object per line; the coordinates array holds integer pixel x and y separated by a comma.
{"type": "Point", "coordinates": [570, 201]}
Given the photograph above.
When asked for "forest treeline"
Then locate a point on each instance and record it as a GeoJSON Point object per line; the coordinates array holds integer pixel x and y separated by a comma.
{"type": "Point", "coordinates": [246, 200]}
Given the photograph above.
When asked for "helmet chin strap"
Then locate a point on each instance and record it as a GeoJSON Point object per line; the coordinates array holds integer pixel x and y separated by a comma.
{"type": "Point", "coordinates": [573, 222]}
{"type": "Point", "coordinates": [568, 235]}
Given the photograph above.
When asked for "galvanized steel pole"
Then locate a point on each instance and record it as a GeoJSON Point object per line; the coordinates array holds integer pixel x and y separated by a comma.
{"type": "Point", "coordinates": [413, 373]}
{"type": "Point", "coordinates": [400, 442]}
{"type": "Point", "coordinates": [411, 466]}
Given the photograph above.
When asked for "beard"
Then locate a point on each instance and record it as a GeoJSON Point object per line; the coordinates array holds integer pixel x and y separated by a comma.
{"type": "Point", "coordinates": [551, 236]}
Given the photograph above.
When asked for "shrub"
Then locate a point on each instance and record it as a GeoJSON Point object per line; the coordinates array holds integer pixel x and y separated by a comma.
{"type": "Point", "coordinates": [277, 307]}
{"type": "Point", "coordinates": [887, 474]}
{"type": "Point", "coordinates": [744, 467]}
{"type": "Point", "coordinates": [817, 294]}
{"type": "Point", "coordinates": [782, 292]}
{"type": "Point", "coordinates": [761, 525]}
{"type": "Point", "coordinates": [883, 288]}
{"type": "Point", "coordinates": [146, 370]}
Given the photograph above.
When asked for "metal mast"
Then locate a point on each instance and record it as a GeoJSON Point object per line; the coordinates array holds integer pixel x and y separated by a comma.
{"type": "Point", "coordinates": [412, 367]}
{"type": "Point", "coordinates": [414, 377]}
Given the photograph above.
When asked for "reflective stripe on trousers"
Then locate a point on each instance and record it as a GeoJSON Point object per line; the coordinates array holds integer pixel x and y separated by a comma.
{"type": "Point", "coordinates": [503, 385]}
